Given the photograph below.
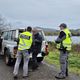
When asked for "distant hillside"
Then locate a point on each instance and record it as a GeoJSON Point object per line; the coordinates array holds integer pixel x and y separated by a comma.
{"type": "Point", "coordinates": [75, 32]}
{"type": "Point", "coordinates": [48, 29]}
{"type": "Point", "coordinates": [51, 32]}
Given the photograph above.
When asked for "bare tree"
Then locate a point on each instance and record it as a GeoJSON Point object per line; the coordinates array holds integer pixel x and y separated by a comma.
{"type": "Point", "coordinates": [4, 24]}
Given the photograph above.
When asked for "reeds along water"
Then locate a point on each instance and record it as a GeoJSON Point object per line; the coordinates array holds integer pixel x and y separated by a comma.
{"type": "Point", "coordinates": [76, 48]}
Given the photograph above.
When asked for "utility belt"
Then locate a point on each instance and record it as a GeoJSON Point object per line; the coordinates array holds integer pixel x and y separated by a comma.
{"type": "Point", "coordinates": [64, 49]}
{"type": "Point", "coordinates": [61, 47]}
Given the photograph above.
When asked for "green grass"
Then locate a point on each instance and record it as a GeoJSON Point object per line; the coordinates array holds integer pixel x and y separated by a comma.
{"type": "Point", "coordinates": [74, 61]}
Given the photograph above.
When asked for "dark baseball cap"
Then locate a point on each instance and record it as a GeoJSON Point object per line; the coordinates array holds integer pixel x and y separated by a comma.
{"type": "Point", "coordinates": [63, 25]}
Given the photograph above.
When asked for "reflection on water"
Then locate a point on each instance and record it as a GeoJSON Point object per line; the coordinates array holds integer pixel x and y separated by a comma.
{"type": "Point", "coordinates": [75, 39]}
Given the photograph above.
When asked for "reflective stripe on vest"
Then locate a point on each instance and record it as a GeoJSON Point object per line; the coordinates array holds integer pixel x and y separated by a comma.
{"type": "Point", "coordinates": [25, 40]}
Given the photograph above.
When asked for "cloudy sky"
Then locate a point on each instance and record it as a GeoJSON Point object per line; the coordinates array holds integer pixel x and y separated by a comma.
{"type": "Point", "coordinates": [44, 13]}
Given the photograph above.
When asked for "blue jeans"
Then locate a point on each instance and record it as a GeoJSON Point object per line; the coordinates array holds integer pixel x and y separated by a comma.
{"type": "Point", "coordinates": [25, 55]}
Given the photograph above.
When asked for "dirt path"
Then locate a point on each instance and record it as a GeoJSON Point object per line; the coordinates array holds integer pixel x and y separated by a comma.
{"type": "Point", "coordinates": [45, 72]}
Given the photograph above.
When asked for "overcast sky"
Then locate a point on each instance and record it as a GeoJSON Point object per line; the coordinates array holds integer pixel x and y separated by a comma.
{"type": "Point", "coordinates": [44, 13]}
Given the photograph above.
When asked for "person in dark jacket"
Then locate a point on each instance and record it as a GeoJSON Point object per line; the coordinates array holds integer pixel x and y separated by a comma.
{"type": "Point", "coordinates": [36, 48]}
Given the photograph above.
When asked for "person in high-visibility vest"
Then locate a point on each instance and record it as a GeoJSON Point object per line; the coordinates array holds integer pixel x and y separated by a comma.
{"type": "Point", "coordinates": [63, 43]}
{"type": "Point", "coordinates": [25, 42]}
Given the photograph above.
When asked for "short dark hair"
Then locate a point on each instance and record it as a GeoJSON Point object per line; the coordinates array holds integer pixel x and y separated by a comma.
{"type": "Point", "coordinates": [63, 25]}
{"type": "Point", "coordinates": [29, 28]}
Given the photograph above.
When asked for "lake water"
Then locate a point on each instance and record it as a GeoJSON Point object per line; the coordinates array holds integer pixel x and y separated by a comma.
{"type": "Point", "coordinates": [75, 39]}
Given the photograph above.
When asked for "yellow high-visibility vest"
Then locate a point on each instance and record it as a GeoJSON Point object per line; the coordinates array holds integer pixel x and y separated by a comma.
{"type": "Point", "coordinates": [67, 41]}
{"type": "Point", "coordinates": [25, 40]}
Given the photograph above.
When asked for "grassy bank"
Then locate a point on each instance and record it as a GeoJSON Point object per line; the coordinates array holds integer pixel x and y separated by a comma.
{"type": "Point", "coordinates": [74, 58]}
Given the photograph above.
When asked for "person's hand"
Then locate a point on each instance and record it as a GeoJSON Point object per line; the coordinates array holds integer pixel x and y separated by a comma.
{"type": "Point", "coordinates": [57, 42]}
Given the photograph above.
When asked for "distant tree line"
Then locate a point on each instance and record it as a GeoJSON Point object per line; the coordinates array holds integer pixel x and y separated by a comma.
{"type": "Point", "coordinates": [54, 33]}
{"type": "Point", "coordinates": [51, 33]}
{"type": "Point", "coordinates": [75, 32]}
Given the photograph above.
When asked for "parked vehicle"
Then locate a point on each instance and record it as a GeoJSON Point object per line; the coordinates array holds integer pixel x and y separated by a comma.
{"type": "Point", "coordinates": [10, 41]}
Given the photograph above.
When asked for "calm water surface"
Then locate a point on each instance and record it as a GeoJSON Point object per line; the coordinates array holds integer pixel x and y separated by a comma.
{"type": "Point", "coordinates": [75, 39]}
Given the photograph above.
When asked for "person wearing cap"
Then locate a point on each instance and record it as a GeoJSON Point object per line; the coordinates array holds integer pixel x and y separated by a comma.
{"type": "Point", "coordinates": [25, 42]}
{"type": "Point", "coordinates": [63, 44]}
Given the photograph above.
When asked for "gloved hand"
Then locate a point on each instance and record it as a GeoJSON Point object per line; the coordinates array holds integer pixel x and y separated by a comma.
{"type": "Point", "coordinates": [57, 42]}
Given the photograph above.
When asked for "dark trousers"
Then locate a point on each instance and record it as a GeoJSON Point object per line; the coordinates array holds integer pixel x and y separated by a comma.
{"type": "Point", "coordinates": [34, 60]}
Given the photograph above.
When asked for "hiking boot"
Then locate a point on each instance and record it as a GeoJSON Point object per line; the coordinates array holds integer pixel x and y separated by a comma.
{"type": "Point", "coordinates": [60, 76]}
{"type": "Point", "coordinates": [66, 72]}
{"type": "Point", "coordinates": [15, 77]}
{"type": "Point", "coordinates": [25, 76]}
{"type": "Point", "coordinates": [35, 67]}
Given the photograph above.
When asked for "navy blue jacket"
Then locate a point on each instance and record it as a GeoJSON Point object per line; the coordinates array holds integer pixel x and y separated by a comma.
{"type": "Point", "coordinates": [37, 43]}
